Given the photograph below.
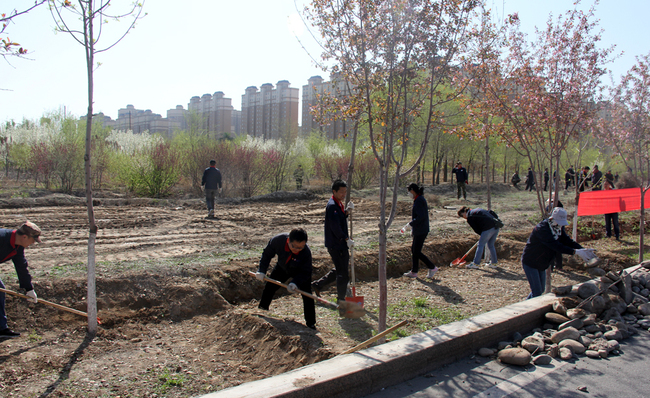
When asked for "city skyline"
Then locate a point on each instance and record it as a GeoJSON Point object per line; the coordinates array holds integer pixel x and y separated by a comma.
{"type": "Point", "coordinates": [176, 53]}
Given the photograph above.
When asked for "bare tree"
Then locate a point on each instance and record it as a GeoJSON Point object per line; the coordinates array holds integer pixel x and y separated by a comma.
{"type": "Point", "coordinates": [93, 16]}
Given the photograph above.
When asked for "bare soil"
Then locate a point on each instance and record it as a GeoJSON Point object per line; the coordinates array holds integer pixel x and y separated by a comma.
{"type": "Point", "coordinates": [179, 312]}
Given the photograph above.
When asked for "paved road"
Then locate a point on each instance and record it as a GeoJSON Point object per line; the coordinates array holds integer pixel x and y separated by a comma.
{"type": "Point", "coordinates": [625, 375]}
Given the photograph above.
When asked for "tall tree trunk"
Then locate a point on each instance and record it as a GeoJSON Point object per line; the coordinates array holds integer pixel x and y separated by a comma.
{"type": "Point", "coordinates": [92, 235]}
{"type": "Point", "coordinates": [487, 172]}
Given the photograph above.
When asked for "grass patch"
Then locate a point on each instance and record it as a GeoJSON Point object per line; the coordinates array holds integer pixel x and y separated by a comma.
{"type": "Point", "coordinates": [421, 314]}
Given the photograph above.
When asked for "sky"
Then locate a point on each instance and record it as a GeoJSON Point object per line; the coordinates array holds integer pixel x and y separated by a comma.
{"type": "Point", "coordinates": [185, 49]}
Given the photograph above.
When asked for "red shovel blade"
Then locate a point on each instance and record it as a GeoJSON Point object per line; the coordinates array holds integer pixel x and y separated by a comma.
{"type": "Point", "coordinates": [355, 298]}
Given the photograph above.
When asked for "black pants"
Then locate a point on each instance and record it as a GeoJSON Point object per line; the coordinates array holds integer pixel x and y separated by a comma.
{"type": "Point", "coordinates": [612, 218]}
{"type": "Point", "coordinates": [416, 250]}
{"type": "Point", "coordinates": [341, 259]}
{"type": "Point", "coordinates": [269, 291]}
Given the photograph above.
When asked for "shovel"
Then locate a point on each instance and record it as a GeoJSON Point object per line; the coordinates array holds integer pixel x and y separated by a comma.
{"type": "Point", "coordinates": [461, 261]}
{"type": "Point", "coordinates": [354, 299]}
{"type": "Point", "coordinates": [352, 310]}
{"type": "Point", "coordinates": [55, 305]}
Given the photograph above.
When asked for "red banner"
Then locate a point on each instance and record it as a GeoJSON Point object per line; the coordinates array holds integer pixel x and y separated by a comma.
{"type": "Point", "coordinates": [611, 201]}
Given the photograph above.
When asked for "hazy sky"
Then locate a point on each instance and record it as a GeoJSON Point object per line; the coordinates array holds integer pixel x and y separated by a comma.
{"type": "Point", "coordinates": [194, 47]}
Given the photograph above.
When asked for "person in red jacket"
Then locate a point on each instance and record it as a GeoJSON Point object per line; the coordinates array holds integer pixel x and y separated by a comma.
{"type": "Point", "coordinates": [13, 243]}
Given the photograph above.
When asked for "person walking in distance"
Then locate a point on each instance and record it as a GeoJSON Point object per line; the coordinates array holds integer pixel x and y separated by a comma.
{"type": "Point", "coordinates": [211, 184]}
{"type": "Point", "coordinates": [295, 263]}
{"type": "Point", "coordinates": [461, 179]}
{"type": "Point", "coordinates": [596, 179]}
{"type": "Point", "coordinates": [530, 180]}
{"type": "Point", "coordinates": [337, 242]}
{"type": "Point", "coordinates": [420, 229]}
{"type": "Point", "coordinates": [13, 243]}
{"type": "Point", "coordinates": [546, 177]}
{"type": "Point", "coordinates": [611, 218]}
{"type": "Point", "coordinates": [483, 223]}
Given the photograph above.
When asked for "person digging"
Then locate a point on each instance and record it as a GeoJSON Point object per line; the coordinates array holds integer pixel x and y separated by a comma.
{"type": "Point", "coordinates": [295, 263]}
{"type": "Point", "coordinates": [13, 243]}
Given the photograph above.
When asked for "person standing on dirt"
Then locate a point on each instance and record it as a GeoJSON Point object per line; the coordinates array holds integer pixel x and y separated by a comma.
{"type": "Point", "coordinates": [484, 224]}
{"type": "Point", "coordinates": [462, 179]}
{"type": "Point", "coordinates": [420, 229]}
{"type": "Point", "coordinates": [546, 177]}
{"type": "Point", "coordinates": [298, 174]}
{"type": "Point", "coordinates": [611, 218]}
{"type": "Point", "coordinates": [515, 179]}
{"type": "Point", "coordinates": [596, 179]}
{"type": "Point", "coordinates": [569, 178]}
{"type": "Point", "coordinates": [211, 183]}
{"type": "Point", "coordinates": [337, 242]}
{"type": "Point", "coordinates": [295, 263]}
{"type": "Point", "coordinates": [547, 239]}
{"type": "Point", "coordinates": [530, 180]}
{"type": "Point", "coordinates": [13, 243]}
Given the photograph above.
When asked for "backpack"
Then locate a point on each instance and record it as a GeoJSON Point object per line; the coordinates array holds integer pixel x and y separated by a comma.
{"type": "Point", "coordinates": [497, 222]}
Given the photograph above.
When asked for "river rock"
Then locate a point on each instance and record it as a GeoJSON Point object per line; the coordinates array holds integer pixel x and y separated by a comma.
{"type": "Point", "coordinates": [568, 333]}
{"type": "Point", "coordinates": [533, 344]}
{"type": "Point", "coordinates": [614, 334]}
{"type": "Point", "coordinates": [570, 302]}
{"type": "Point", "coordinates": [515, 356]}
{"type": "Point", "coordinates": [562, 290]}
{"type": "Point", "coordinates": [645, 292]}
{"type": "Point", "coordinates": [626, 290]}
{"type": "Point", "coordinates": [596, 271]}
{"type": "Point", "coordinates": [592, 354]}
{"type": "Point", "coordinates": [612, 345]}
{"type": "Point", "coordinates": [542, 359]}
{"type": "Point", "coordinates": [574, 313]}
{"type": "Point", "coordinates": [573, 323]}
{"type": "Point", "coordinates": [644, 309]}
{"type": "Point", "coordinates": [555, 317]}
{"type": "Point", "coordinates": [599, 344]}
{"type": "Point", "coordinates": [589, 319]}
{"type": "Point", "coordinates": [553, 350]}
{"type": "Point", "coordinates": [631, 309]}
{"type": "Point", "coordinates": [596, 305]}
{"type": "Point", "coordinates": [575, 346]}
{"type": "Point", "coordinates": [503, 345]}
{"type": "Point", "coordinates": [565, 353]}
{"type": "Point", "coordinates": [486, 352]}
{"type": "Point", "coordinates": [588, 289]}
{"type": "Point", "coordinates": [611, 314]}
{"type": "Point", "coordinates": [585, 341]}
{"type": "Point", "coordinates": [516, 337]}
{"type": "Point", "coordinates": [559, 308]}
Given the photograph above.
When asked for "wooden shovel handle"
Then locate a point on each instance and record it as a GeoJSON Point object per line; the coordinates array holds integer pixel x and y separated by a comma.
{"type": "Point", "coordinates": [374, 338]}
{"type": "Point", "coordinates": [312, 296]}
{"type": "Point", "coordinates": [59, 306]}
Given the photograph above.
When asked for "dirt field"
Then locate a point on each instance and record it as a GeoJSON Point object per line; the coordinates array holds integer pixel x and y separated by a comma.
{"type": "Point", "coordinates": [179, 312]}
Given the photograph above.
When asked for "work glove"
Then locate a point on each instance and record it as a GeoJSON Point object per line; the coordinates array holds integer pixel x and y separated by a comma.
{"type": "Point", "coordinates": [202, 188]}
{"type": "Point", "coordinates": [31, 296]}
{"type": "Point", "coordinates": [585, 254]}
{"type": "Point", "coordinates": [292, 288]}
{"type": "Point", "coordinates": [220, 189]}
{"type": "Point", "coordinates": [405, 228]}
{"type": "Point", "coordinates": [260, 276]}
{"type": "Point", "coordinates": [349, 207]}
{"type": "Point", "coordinates": [350, 243]}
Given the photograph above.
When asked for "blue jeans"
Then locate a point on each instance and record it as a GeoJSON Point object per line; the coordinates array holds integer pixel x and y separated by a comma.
{"type": "Point", "coordinates": [489, 237]}
{"type": "Point", "coordinates": [536, 280]}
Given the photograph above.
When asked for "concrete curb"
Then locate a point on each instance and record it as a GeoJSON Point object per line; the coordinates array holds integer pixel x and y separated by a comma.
{"type": "Point", "coordinates": [368, 371]}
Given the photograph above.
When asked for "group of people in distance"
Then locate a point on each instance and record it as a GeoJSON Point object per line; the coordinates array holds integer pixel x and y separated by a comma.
{"type": "Point", "coordinates": [582, 178]}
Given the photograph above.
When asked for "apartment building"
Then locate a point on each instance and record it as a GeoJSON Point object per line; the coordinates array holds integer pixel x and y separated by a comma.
{"type": "Point", "coordinates": [313, 94]}
{"type": "Point", "coordinates": [215, 112]}
{"type": "Point", "coordinates": [270, 113]}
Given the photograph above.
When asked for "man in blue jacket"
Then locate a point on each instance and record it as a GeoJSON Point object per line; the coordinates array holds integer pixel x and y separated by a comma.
{"type": "Point", "coordinates": [294, 261]}
{"type": "Point", "coordinates": [337, 242]}
{"type": "Point", "coordinates": [13, 243]}
{"type": "Point", "coordinates": [211, 182]}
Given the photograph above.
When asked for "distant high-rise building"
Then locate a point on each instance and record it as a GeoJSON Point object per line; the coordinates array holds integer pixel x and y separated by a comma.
{"type": "Point", "coordinates": [270, 113]}
{"type": "Point", "coordinates": [215, 112]}
{"type": "Point", "coordinates": [136, 120]}
{"type": "Point", "coordinates": [312, 95]}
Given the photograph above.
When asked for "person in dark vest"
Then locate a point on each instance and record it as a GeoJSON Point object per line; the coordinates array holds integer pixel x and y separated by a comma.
{"type": "Point", "coordinates": [295, 264]}
{"type": "Point", "coordinates": [211, 183]}
{"type": "Point", "coordinates": [420, 229]}
{"type": "Point", "coordinates": [461, 179]}
{"type": "Point", "coordinates": [13, 243]}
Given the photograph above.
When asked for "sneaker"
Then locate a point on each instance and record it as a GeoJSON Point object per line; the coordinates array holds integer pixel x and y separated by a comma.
{"type": "Point", "coordinates": [431, 273]}
{"type": "Point", "coordinates": [312, 327]}
{"type": "Point", "coordinates": [471, 266]}
{"type": "Point", "coordinates": [8, 334]}
{"type": "Point", "coordinates": [411, 274]}
{"type": "Point", "coordinates": [493, 265]}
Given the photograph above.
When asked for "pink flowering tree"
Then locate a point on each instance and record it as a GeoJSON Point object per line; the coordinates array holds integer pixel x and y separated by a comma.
{"type": "Point", "coordinates": [537, 96]}
{"type": "Point", "coordinates": [626, 127]}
